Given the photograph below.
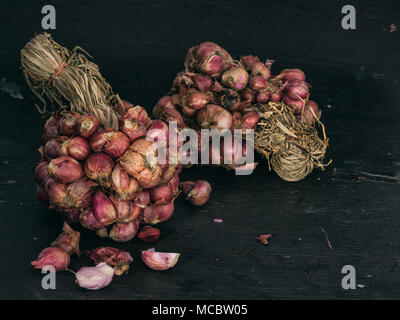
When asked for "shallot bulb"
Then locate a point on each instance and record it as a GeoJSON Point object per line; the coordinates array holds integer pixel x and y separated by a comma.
{"type": "Point", "coordinates": [51, 128]}
{"type": "Point", "coordinates": [202, 83]}
{"type": "Point", "coordinates": [115, 258]}
{"type": "Point", "coordinates": [142, 199]}
{"type": "Point", "coordinates": [88, 220]}
{"type": "Point", "coordinates": [161, 194]}
{"type": "Point", "coordinates": [112, 142]}
{"type": "Point", "coordinates": [166, 111]}
{"type": "Point", "coordinates": [208, 58]}
{"type": "Point", "coordinates": [54, 148]}
{"type": "Point", "coordinates": [86, 125]}
{"type": "Point", "coordinates": [80, 193]}
{"type": "Point", "coordinates": [133, 123]}
{"type": "Point", "coordinates": [65, 169]}
{"type": "Point", "coordinates": [157, 131]}
{"type": "Point", "coordinates": [123, 107]}
{"type": "Point", "coordinates": [214, 117]}
{"type": "Point", "coordinates": [57, 192]}
{"type": "Point", "coordinates": [250, 120]}
{"type": "Point", "coordinates": [140, 161]}
{"type": "Point", "coordinates": [68, 240]}
{"type": "Point", "coordinates": [127, 211]}
{"type": "Point", "coordinates": [158, 213]}
{"type": "Point", "coordinates": [295, 104]}
{"type": "Point", "coordinates": [125, 186]}
{"type": "Point", "coordinates": [77, 147]}
{"type": "Point", "coordinates": [159, 260]}
{"type": "Point", "coordinates": [263, 97]}
{"type": "Point", "coordinates": [182, 79]}
{"type": "Point", "coordinates": [257, 83]}
{"type": "Point", "coordinates": [98, 167]}
{"type": "Point", "coordinates": [235, 78]}
{"type": "Point", "coordinates": [229, 99]}
{"type": "Point", "coordinates": [197, 193]}
{"type": "Point", "coordinates": [66, 125]}
{"type": "Point", "coordinates": [149, 234]}
{"type": "Point", "coordinates": [311, 113]}
{"type": "Point", "coordinates": [249, 61]}
{"type": "Point", "coordinates": [296, 89]}
{"type": "Point", "coordinates": [41, 172]}
{"type": "Point", "coordinates": [260, 69]}
{"type": "Point", "coordinates": [52, 256]}
{"type": "Point", "coordinates": [104, 210]}
{"type": "Point", "coordinates": [95, 278]}
{"type": "Point", "coordinates": [291, 74]}
{"type": "Point", "coordinates": [195, 100]}
{"type": "Point", "coordinates": [123, 232]}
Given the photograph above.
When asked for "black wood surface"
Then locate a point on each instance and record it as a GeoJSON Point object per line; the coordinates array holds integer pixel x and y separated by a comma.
{"type": "Point", "coordinates": [140, 46]}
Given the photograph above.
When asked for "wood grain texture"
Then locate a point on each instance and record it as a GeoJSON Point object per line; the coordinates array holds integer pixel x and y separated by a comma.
{"type": "Point", "coordinates": [140, 46]}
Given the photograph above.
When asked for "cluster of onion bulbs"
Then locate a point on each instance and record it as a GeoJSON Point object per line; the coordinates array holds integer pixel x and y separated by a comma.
{"type": "Point", "coordinates": [217, 92]}
{"type": "Point", "coordinates": [102, 177]}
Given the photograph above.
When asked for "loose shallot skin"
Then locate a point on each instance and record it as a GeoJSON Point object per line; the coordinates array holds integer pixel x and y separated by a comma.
{"type": "Point", "coordinates": [68, 240]}
{"type": "Point", "coordinates": [95, 278]}
{"type": "Point", "coordinates": [118, 259]}
{"type": "Point", "coordinates": [149, 234]}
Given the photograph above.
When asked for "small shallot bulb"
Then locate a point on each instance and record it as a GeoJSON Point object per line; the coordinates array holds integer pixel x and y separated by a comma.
{"type": "Point", "coordinates": [86, 125]}
{"type": "Point", "coordinates": [214, 117]}
{"type": "Point", "coordinates": [143, 198]}
{"type": "Point", "coordinates": [80, 193]}
{"type": "Point", "coordinates": [159, 260]}
{"type": "Point", "coordinates": [104, 209]}
{"type": "Point", "coordinates": [149, 234]}
{"type": "Point", "coordinates": [235, 78]}
{"type": "Point", "coordinates": [51, 128]}
{"type": "Point", "coordinates": [136, 163]}
{"type": "Point", "coordinates": [158, 213]}
{"type": "Point", "coordinates": [257, 83]}
{"type": "Point", "coordinates": [78, 148]}
{"type": "Point", "coordinates": [250, 120]}
{"type": "Point", "coordinates": [57, 192]}
{"type": "Point", "coordinates": [295, 104]}
{"type": "Point", "coordinates": [166, 111]}
{"type": "Point", "coordinates": [291, 74]}
{"type": "Point", "coordinates": [123, 232]}
{"type": "Point", "coordinates": [68, 240]}
{"type": "Point", "coordinates": [95, 278]}
{"type": "Point", "coordinates": [260, 69]}
{"type": "Point", "coordinates": [195, 100]}
{"type": "Point", "coordinates": [54, 148]}
{"type": "Point", "coordinates": [263, 97]}
{"type": "Point", "coordinates": [161, 194]}
{"type": "Point", "coordinates": [52, 256]}
{"type": "Point", "coordinates": [133, 123]}
{"type": "Point", "coordinates": [66, 125]}
{"type": "Point", "coordinates": [276, 96]}
{"type": "Point", "coordinates": [41, 173]}
{"type": "Point", "coordinates": [98, 167]}
{"type": "Point", "coordinates": [88, 220]}
{"type": "Point", "coordinates": [296, 89]}
{"type": "Point", "coordinates": [197, 193]}
{"type": "Point", "coordinates": [311, 113]}
{"type": "Point", "coordinates": [127, 210]}
{"type": "Point", "coordinates": [65, 169]}
{"type": "Point", "coordinates": [157, 130]}
{"type": "Point", "coordinates": [114, 257]}
{"type": "Point", "coordinates": [112, 142]}
{"type": "Point", "coordinates": [249, 61]}
{"type": "Point", "coordinates": [247, 95]}
{"type": "Point", "coordinates": [123, 184]}
{"type": "Point", "coordinates": [202, 83]}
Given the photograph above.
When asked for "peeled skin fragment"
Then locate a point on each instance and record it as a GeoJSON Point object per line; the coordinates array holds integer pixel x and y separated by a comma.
{"type": "Point", "coordinates": [140, 162]}
{"type": "Point", "coordinates": [159, 260]}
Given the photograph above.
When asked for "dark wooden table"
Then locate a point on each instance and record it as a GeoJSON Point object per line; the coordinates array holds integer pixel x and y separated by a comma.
{"type": "Point", "coordinates": [140, 46]}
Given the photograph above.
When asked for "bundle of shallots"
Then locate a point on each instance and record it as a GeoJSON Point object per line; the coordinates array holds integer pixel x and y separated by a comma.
{"type": "Point", "coordinates": [217, 92]}
{"type": "Point", "coordinates": [101, 161]}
